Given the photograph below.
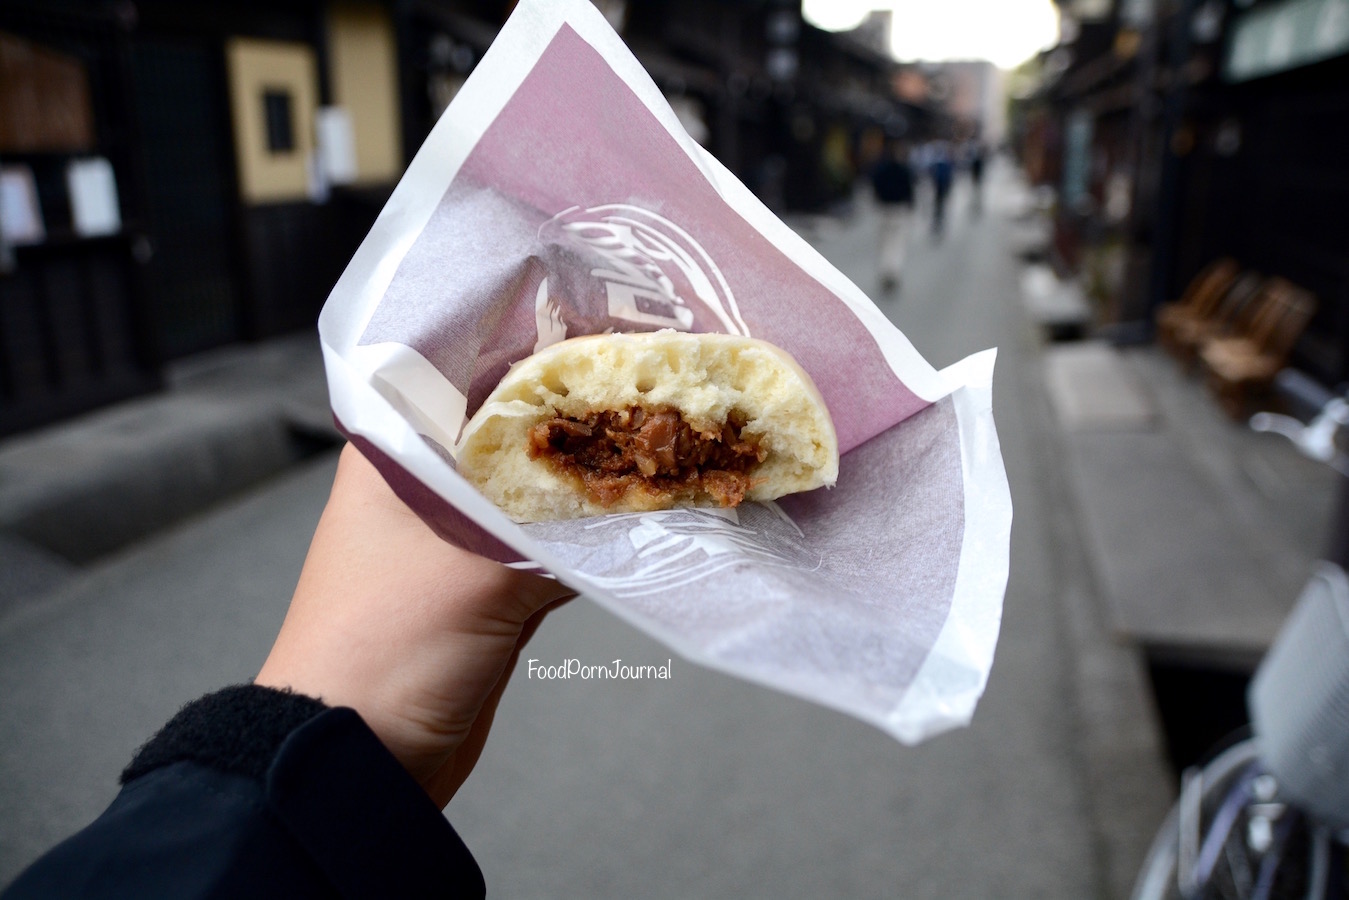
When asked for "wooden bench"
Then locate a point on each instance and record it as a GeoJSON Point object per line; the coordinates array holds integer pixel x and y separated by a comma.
{"type": "Point", "coordinates": [1235, 307]}
{"type": "Point", "coordinates": [1250, 356]}
{"type": "Point", "coordinates": [1202, 297]}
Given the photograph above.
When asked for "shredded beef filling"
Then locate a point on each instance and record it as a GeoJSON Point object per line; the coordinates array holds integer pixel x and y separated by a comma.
{"type": "Point", "coordinates": [615, 451]}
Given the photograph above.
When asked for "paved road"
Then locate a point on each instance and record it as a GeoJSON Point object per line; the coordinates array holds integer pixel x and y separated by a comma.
{"type": "Point", "coordinates": [701, 786]}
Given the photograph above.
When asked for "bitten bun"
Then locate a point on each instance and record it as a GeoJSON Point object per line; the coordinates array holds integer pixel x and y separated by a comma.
{"type": "Point", "coordinates": [710, 380]}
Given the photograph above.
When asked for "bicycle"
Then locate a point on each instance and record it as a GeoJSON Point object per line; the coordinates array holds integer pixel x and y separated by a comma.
{"type": "Point", "coordinates": [1319, 438]}
{"type": "Point", "coordinates": [1268, 815]}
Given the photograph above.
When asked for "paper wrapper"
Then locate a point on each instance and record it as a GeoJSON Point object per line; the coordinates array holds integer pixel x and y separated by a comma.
{"type": "Point", "coordinates": [560, 196]}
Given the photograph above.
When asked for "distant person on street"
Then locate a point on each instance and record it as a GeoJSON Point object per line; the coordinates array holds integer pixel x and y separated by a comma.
{"type": "Point", "coordinates": [942, 172]}
{"type": "Point", "coordinates": [327, 775]}
{"type": "Point", "coordinates": [892, 182]}
{"type": "Point", "coordinates": [976, 163]}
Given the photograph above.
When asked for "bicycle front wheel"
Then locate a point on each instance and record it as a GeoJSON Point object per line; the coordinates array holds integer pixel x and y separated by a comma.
{"type": "Point", "coordinates": [1231, 837]}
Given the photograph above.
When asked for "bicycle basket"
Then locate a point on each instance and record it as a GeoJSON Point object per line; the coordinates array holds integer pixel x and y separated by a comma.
{"type": "Point", "coordinates": [1299, 700]}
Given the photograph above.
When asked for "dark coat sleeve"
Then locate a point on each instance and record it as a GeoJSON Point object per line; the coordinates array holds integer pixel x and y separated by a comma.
{"type": "Point", "coordinates": [328, 813]}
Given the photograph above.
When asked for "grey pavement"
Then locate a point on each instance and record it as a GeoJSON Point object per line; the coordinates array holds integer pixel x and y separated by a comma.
{"type": "Point", "coordinates": [1203, 530]}
{"type": "Point", "coordinates": [700, 786]}
{"type": "Point", "coordinates": [228, 419]}
{"type": "Point", "coordinates": [90, 670]}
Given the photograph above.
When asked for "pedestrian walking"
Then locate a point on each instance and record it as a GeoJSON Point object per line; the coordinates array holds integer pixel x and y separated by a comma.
{"type": "Point", "coordinates": [976, 159]}
{"type": "Point", "coordinates": [942, 174]}
{"type": "Point", "coordinates": [892, 183]}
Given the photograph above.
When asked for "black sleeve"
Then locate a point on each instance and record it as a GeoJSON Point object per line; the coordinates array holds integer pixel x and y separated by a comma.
{"type": "Point", "coordinates": [251, 792]}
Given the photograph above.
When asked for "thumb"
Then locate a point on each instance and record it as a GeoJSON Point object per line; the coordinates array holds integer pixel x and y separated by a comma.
{"type": "Point", "coordinates": [515, 596]}
{"type": "Point", "coordinates": [530, 594]}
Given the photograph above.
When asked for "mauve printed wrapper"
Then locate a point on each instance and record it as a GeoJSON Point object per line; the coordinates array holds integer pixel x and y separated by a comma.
{"type": "Point", "coordinates": [559, 196]}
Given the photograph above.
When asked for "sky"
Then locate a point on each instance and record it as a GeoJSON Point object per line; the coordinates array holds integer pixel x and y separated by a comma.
{"type": "Point", "coordinates": [1005, 32]}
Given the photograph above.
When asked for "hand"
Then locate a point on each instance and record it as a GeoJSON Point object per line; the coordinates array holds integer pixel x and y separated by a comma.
{"type": "Point", "coordinates": [415, 634]}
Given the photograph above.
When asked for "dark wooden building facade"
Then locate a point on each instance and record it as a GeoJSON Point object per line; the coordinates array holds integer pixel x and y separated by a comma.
{"type": "Point", "coordinates": [1179, 131]}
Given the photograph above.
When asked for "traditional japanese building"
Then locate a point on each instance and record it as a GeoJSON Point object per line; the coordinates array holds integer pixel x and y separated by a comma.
{"type": "Point", "coordinates": [1176, 132]}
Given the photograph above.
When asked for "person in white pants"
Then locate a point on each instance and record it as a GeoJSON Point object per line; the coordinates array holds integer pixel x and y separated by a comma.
{"type": "Point", "coordinates": [892, 182]}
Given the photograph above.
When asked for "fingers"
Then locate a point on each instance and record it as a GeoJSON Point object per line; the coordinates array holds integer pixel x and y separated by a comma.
{"type": "Point", "coordinates": [536, 594]}
{"type": "Point", "coordinates": [506, 594]}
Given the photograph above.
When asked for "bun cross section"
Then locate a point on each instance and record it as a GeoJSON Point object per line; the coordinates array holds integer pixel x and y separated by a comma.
{"type": "Point", "coordinates": [622, 423]}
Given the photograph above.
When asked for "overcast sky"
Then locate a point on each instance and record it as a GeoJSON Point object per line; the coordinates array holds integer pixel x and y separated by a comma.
{"type": "Point", "coordinates": [1006, 32]}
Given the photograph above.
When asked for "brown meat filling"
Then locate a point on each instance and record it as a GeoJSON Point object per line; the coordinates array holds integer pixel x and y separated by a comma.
{"type": "Point", "coordinates": [615, 451]}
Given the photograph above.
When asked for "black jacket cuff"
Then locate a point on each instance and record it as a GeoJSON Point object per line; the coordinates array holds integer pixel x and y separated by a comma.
{"type": "Point", "coordinates": [237, 730]}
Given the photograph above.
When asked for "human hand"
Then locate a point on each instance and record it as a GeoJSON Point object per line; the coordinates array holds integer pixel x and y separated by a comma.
{"type": "Point", "coordinates": [415, 634]}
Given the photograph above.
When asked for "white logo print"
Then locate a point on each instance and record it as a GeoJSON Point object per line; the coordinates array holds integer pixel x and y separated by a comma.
{"type": "Point", "coordinates": [651, 267]}
{"type": "Point", "coordinates": [548, 319]}
{"type": "Point", "coordinates": [677, 548]}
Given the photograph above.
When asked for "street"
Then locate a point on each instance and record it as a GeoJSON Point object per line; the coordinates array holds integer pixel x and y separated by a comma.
{"type": "Point", "coordinates": [696, 786]}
